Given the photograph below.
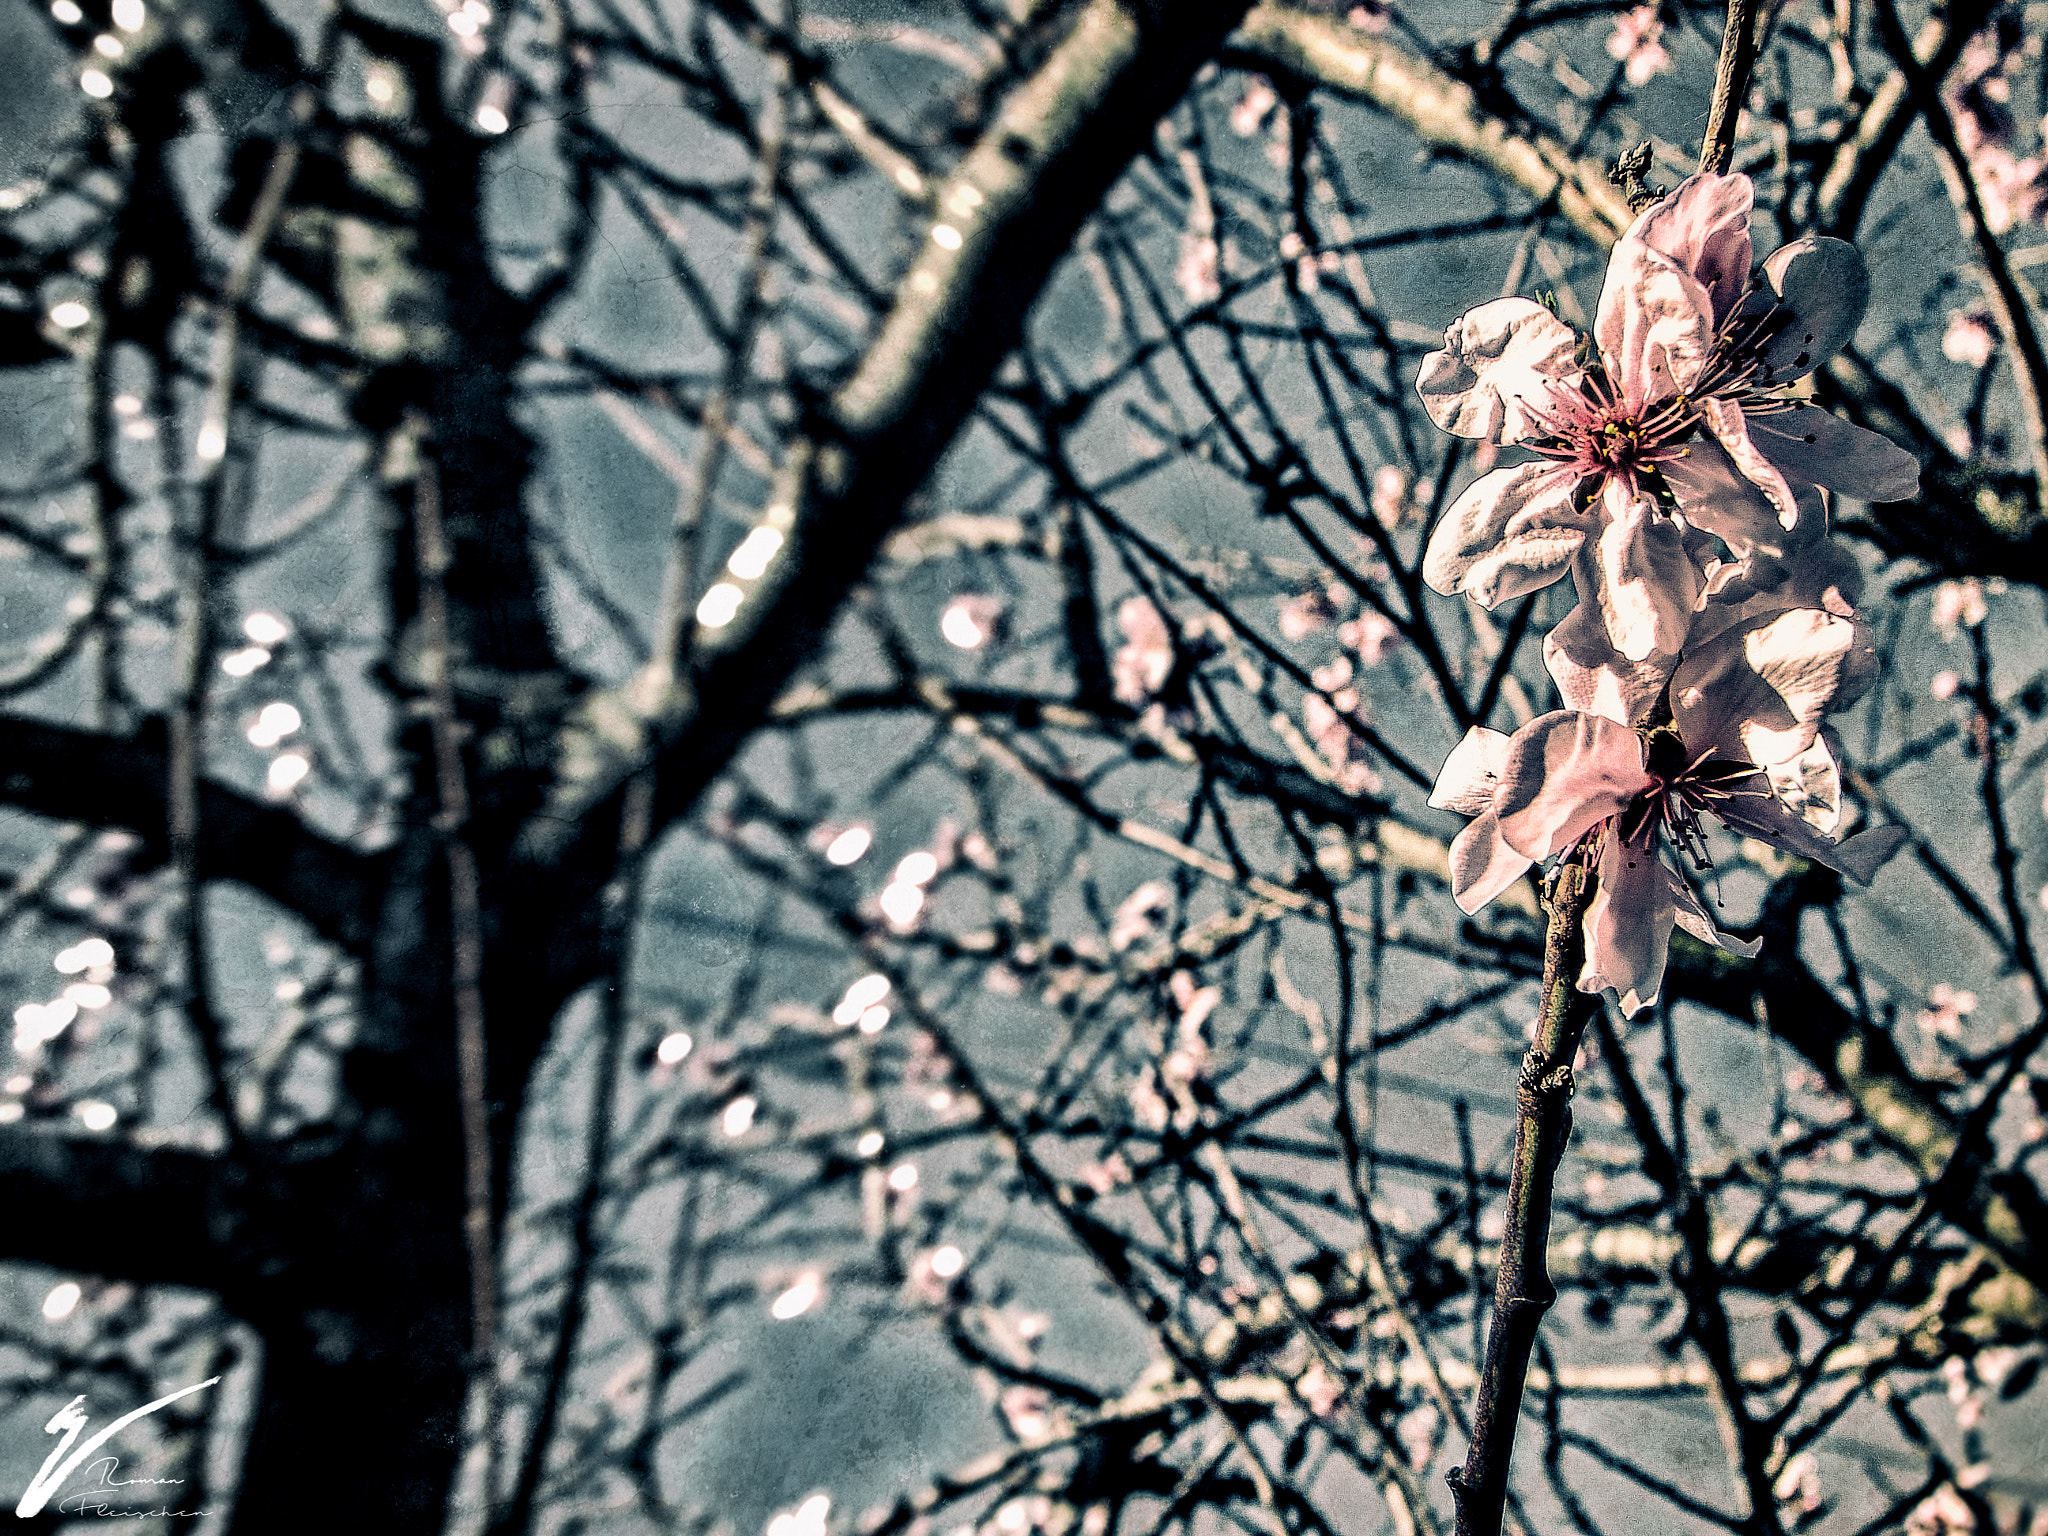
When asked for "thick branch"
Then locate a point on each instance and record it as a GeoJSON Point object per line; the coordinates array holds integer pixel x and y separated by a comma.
{"type": "Point", "coordinates": [1008, 214]}
{"type": "Point", "coordinates": [104, 1207]}
{"type": "Point", "coordinates": [100, 781]}
{"type": "Point", "coordinates": [1443, 112]}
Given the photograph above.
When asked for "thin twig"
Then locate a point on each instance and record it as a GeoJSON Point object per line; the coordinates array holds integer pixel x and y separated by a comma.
{"type": "Point", "coordinates": [1731, 87]}
{"type": "Point", "coordinates": [465, 909]}
{"type": "Point", "coordinates": [1523, 1292]}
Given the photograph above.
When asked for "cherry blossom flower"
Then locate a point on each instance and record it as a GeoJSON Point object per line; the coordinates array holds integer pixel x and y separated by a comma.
{"type": "Point", "coordinates": [1371, 635]}
{"type": "Point", "coordinates": [1663, 424]}
{"type": "Point", "coordinates": [1969, 337]}
{"type": "Point", "coordinates": [1374, 16]}
{"type": "Point", "coordinates": [1199, 270]}
{"type": "Point", "coordinates": [1390, 488]}
{"type": "Point", "coordinates": [1945, 1009]}
{"type": "Point", "coordinates": [1145, 659]}
{"type": "Point", "coordinates": [1944, 1512]}
{"type": "Point", "coordinates": [1637, 38]}
{"type": "Point", "coordinates": [1799, 1483]}
{"type": "Point", "coordinates": [1249, 114]}
{"type": "Point", "coordinates": [1744, 745]}
{"type": "Point", "coordinates": [1958, 605]}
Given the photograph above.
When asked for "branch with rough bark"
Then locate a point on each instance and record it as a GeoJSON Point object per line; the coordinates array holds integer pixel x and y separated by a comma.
{"type": "Point", "coordinates": [1007, 215]}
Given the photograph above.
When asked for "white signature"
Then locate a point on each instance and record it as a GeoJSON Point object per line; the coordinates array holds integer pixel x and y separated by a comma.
{"type": "Point", "coordinates": [70, 1422]}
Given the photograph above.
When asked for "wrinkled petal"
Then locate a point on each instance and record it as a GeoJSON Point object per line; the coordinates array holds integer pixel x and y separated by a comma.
{"type": "Point", "coordinates": [1512, 532]}
{"type": "Point", "coordinates": [1564, 772]}
{"type": "Point", "coordinates": [1730, 427]}
{"type": "Point", "coordinates": [1628, 926]}
{"type": "Point", "coordinates": [1759, 692]}
{"type": "Point", "coordinates": [1806, 309]}
{"type": "Point", "coordinates": [1647, 583]}
{"type": "Point", "coordinates": [1704, 227]}
{"type": "Point", "coordinates": [1594, 677]}
{"type": "Point", "coordinates": [1859, 857]}
{"type": "Point", "coordinates": [1718, 498]}
{"type": "Point", "coordinates": [1697, 921]}
{"type": "Point", "coordinates": [1809, 444]}
{"type": "Point", "coordinates": [1471, 772]}
{"type": "Point", "coordinates": [1493, 357]}
{"type": "Point", "coordinates": [1482, 865]}
{"type": "Point", "coordinates": [1655, 325]}
{"type": "Point", "coordinates": [1810, 785]}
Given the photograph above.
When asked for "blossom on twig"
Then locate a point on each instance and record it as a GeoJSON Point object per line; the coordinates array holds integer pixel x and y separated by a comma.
{"type": "Point", "coordinates": [1664, 424]}
{"type": "Point", "coordinates": [1744, 745]}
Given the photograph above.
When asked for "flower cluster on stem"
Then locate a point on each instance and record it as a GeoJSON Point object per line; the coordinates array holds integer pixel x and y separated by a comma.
{"type": "Point", "coordinates": [1670, 470]}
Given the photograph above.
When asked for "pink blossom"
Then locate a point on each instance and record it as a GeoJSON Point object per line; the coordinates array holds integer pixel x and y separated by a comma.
{"type": "Point", "coordinates": [1028, 1411]}
{"type": "Point", "coordinates": [1389, 494]}
{"type": "Point", "coordinates": [1371, 635]}
{"type": "Point", "coordinates": [1665, 425]}
{"type": "Point", "coordinates": [1958, 605]}
{"type": "Point", "coordinates": [1145, 660]}
{"type": "Point", "coordinates": [1306, 612]}
{"type": "Point", "coordinates": [1945, 1009]}
{"type": "Point", "coordinates": [1744, 745]}
{"type": "Point", "coordinates": [1197, 273]}
{"type": "Point", "coordinates": [1800, 1482]}
{"type": "Point", "coordinates": [1339, 746]}
{"type": "Point", "coordinates": [1969, 337]}
{"type": "Point", "coordinates": [1250, 112]}
{"type": "Point", "coordinates": [1137, 917]}
{"type": "Point", "coordinates": [1943, 1512]}
{"type": "Point", "coordinates": [1637, 38]}
{"type": "Point", "coordinates": [1320, 1390]}
{"type": "Point", "coordinates": [1374, 16]}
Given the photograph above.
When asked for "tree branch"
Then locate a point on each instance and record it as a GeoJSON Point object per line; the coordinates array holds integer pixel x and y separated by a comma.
{"type": "Point", "coordinates": [101, 781]}
{"type": "Point", "coordinates": [1007, 215]}
{"type": "Point", "coordinates": [1443, 112]}
{"type": "Point", "coordinates": [105, 1207]}
{"type": "Point", "coordinates": [1523, 1292]}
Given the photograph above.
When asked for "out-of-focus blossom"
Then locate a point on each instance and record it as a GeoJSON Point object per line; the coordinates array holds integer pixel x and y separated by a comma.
{"type": "Point", "coordinates": [807, 1519]}
{"type": "Point", "coordinates": [1137, 916]}
{"type": "Point", "coordinates": [1416, 1430]}
{"type": "Point", "coordinates": [1106, 1175]}
{"type": "Point", "coordinates": [1969, 337]}
{"type": "Point", "coordinates": [1145, 660]}
{"type": "Point", "coordinates": [970, 621]}
{"type": "Point", "coordinates": [1249, 114]}
{"type": "Point", "coordinates": [1666, 428]}
{"type": "Point", "coordinates": [1390, 494]}
{"type": "Point", "coordinates": [1319, 1389]}
{"type": "Point", "coordinates": [1375, 16]}
{"type": "Point", "coordinates": [1943, 1512]}
{"type": "Point", "coordinates": [1943, 685]}
{"type": "Point", "coordinates": [1199, 272]}
{"type": "Point", "coordinates": [1799, 1483]}
{"type": "Point", "coordinates": [1340, 747]}
{"type": "Point", "coordinates": [1371, 635]}
{"type": "Point", "coordinates": [1946, 1009]}
{"type": "Point", "coordinates": [797, 1298]}
{"type": "Point", "coordinates": [1029, 1412]}
{"type": "Point", "coordinates": [1958, 605]}
{"type": "Point", "coordinates": [1307, 612]}
{"type": "Point", "coordinates": [1148, 1105]}
{"type": "Point", "coordinates": [1638, 39]}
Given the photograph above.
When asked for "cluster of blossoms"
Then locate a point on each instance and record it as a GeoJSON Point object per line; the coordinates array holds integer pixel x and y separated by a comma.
{"type": "Point", "coordinates": [1687, 495]}
{"type": "Point", "coordinates": [1978, 94]}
